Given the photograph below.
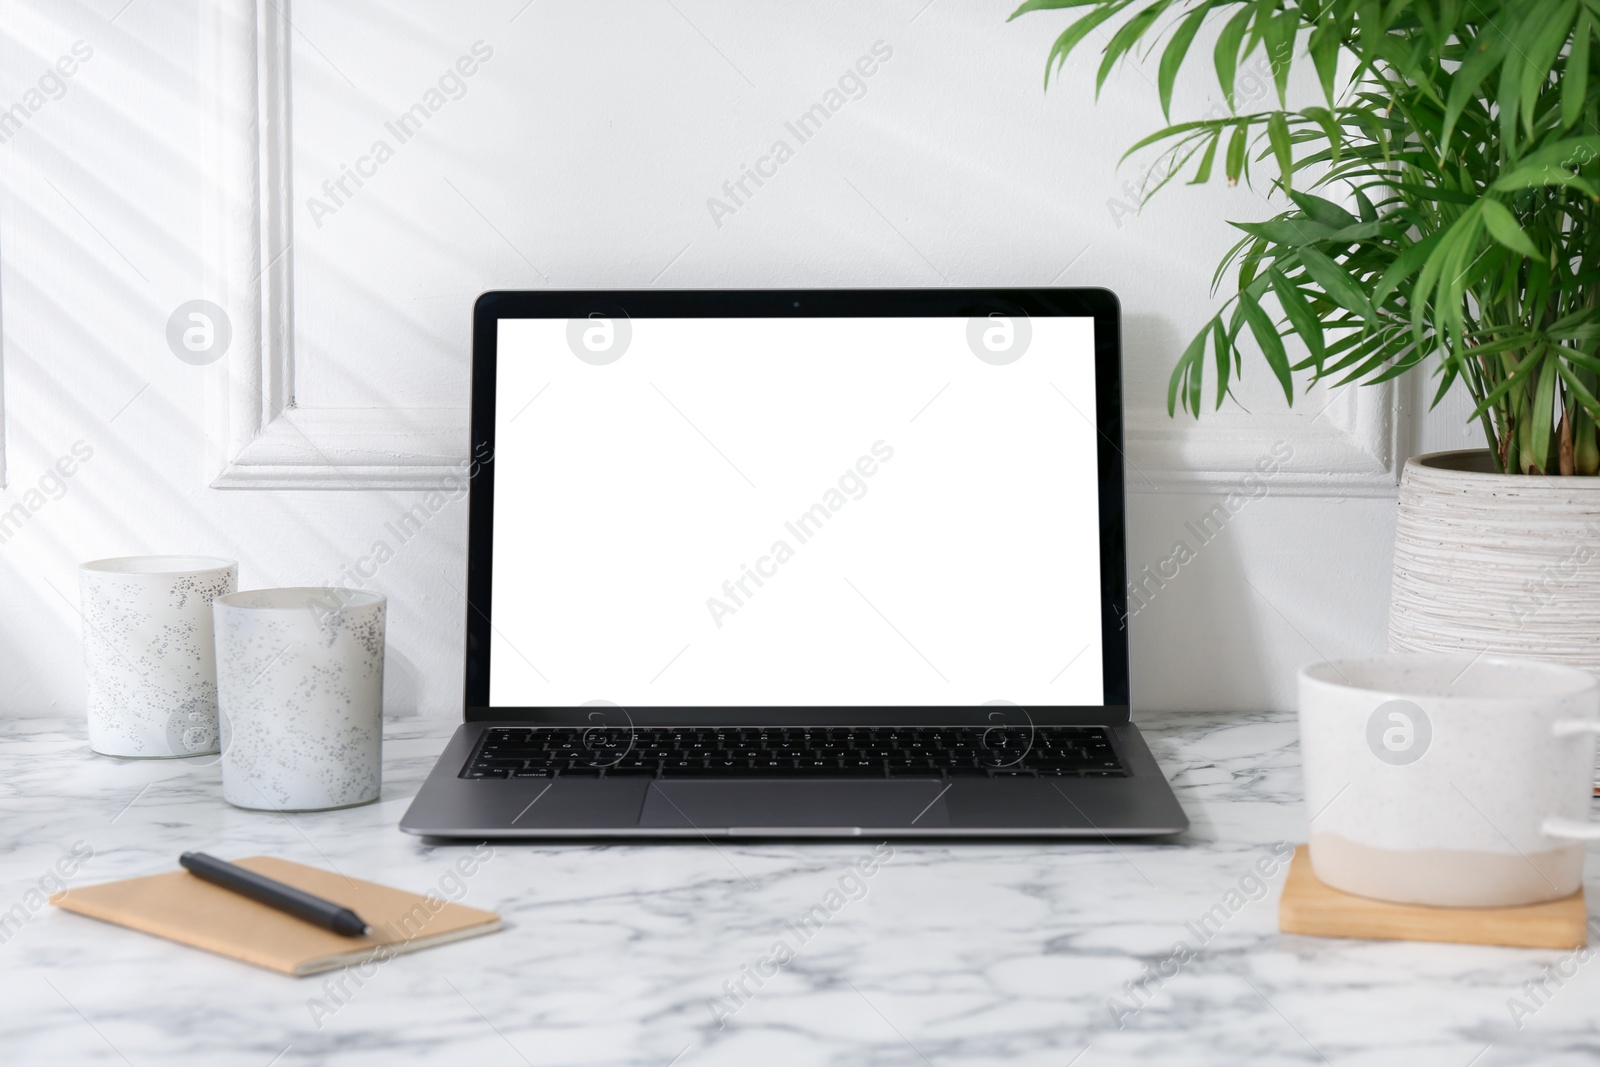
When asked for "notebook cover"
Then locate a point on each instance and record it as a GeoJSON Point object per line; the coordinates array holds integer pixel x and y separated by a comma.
{"type": "Point", "coordinates": [180, 907]}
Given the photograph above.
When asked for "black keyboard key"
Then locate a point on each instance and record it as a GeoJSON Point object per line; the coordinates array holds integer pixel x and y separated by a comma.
{"type": "Point", "coordinates": [912, 766]}
{"type": "Point", "coordinates": [725, 767]}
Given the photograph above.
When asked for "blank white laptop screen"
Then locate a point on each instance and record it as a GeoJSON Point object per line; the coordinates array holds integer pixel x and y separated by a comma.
{"type": "Point", "coordinates": [795, 511]}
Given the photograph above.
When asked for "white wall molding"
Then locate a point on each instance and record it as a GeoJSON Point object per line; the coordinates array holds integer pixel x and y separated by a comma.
{"type": "Point", "coordinates": [257, 437]}
{"type": "Point", "coordinates": [1351, 447]}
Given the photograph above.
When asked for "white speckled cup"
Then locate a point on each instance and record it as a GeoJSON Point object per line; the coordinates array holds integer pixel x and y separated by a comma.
{"type": "Point", "coordinates": [1449, 780]}
{"type": "Point", "coordinates": [150, 672]}
{"type": "Point", "coordinates": [300, 690]}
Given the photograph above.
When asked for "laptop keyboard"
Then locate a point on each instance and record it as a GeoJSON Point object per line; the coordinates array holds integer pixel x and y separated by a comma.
{"type": "Point", "coordinates": [800, 751]}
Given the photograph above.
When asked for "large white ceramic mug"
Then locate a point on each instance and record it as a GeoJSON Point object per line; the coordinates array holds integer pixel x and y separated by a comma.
{"type": "Point", "coordinates": [300, 688]}
{"type": "Point", "coordinates": [150, 672]}
{"type": "Point", "coordinates": [1449, 780]}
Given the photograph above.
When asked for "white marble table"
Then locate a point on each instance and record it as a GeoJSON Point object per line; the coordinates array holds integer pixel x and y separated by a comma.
{"type": "Point", "coordinates": [955, 954]}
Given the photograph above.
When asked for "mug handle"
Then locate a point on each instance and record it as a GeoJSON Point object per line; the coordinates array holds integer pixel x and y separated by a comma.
{"type": "Point", "coordinates": [1572, 829]}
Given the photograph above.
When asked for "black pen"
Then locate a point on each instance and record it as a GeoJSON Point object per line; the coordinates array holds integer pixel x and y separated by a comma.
{"type": "Point", "coordinates": [274, 894]}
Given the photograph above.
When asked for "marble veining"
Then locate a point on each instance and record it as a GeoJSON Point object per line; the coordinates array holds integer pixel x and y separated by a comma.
{"type": "Point", "coordinates": [1027, 953]}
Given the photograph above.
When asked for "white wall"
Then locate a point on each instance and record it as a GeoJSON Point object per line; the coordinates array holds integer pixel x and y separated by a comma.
{"type": "Point", "coordinates": [582, 154]}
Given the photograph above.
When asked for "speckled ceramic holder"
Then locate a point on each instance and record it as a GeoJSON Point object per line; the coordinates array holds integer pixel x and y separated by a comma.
{"type": "Point", "coordinates": [300, 689]}
{"type": "Point", "coordinates": [147, 650]}
{"type": "Point", "coordinates": [1450, 781]}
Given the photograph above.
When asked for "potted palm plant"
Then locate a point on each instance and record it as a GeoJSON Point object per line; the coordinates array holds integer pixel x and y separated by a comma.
{"type": "Point", "coordinates": [1442, 208]}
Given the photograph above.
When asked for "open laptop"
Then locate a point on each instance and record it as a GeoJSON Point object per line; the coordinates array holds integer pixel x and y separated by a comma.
{"type": "Point", "coordinates": [796, 563]}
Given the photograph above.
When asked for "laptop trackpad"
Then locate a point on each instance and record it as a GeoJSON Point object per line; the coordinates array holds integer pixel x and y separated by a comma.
{"type": "Point", "coordinates": [751, 807]}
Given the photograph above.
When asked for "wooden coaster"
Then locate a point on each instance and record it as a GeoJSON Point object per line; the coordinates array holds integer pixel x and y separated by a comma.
{"type": "Point", "coordinates": [1309, 907]}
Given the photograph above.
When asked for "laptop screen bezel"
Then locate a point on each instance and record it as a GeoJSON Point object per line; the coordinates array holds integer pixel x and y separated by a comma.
{"type": "Point", "coordinates": [1101, 305]}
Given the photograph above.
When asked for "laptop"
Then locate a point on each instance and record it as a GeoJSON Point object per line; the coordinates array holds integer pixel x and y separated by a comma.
{"type": "Point", "coordinates": [809, 563]}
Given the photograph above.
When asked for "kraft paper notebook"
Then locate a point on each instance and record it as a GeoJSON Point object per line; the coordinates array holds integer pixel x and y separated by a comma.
{"type": "Point", "coordinates": [180, 907]}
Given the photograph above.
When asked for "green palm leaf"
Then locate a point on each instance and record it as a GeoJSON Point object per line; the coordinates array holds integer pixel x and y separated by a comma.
{"type": "Point", "coordinates": [1442, 203]}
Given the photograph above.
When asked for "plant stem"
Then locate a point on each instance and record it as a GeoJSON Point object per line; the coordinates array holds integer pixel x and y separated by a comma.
{"type": "Point", "coordinates": [1565, 460]}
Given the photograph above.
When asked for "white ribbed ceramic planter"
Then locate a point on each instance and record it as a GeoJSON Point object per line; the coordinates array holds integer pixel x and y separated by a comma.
{"type": "Point", "coordinates": [1502, 563]}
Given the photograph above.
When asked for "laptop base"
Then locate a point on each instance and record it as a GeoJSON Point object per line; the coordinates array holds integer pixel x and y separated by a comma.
{"type": "Point", "coordinates": [450, 806]}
